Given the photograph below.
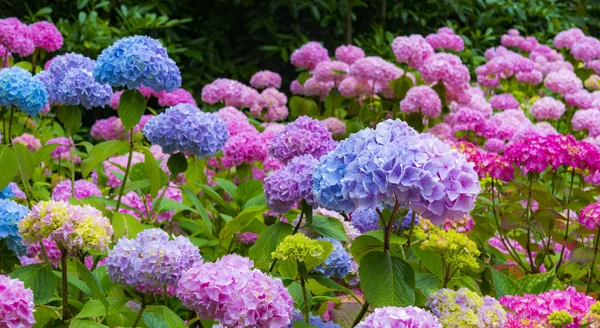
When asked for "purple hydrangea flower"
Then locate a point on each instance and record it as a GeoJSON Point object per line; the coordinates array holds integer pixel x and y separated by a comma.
{"type": "Point", "coordinates": [185, 128]}
{"type": "Point", "coordinates": [292, 183]}
{"type": "Point", "coordinates": [151, 261]}
{"type": "Point", "coordinates": [69, 81]}
{"type": "Point", "coordinates": [135, 61]}
{"type": "Point", "coordinates": [230, 292]}
{"type": "Point", "coordinates": [19, 88]}
{"type": "Point", "coordinates": [16, 303]}
{"type": "Point", "coordinates": [304, 136]}
{"type": "Point", "coordinates": [338, 263]}
{"type": "Point", "coordinates": [83, 189]}
{"type": "Point", "coordinates": [408, 317]}
{"type": "Point", "coordinates": [365, 219]}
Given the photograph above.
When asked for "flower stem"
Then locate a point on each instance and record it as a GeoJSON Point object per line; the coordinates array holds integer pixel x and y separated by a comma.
{"type": "Point", "coordinates": [593, 263]}
{"type": "Point", "coordinates": [8, 137]}
{"type": "Point", "coordinates": [139, 315]}
{"type": "Point", "coordinates": [305, 295]}
{"type": "Point", "coordinates": [528, 243]}
{"type": "Point", "coordinates": [126, 171]}
{"type": "Point", "coordinates": [361, 313]}
{"type": "Point", "coordinates": [568, 199]}
{"type": "Point", "coordinates": [65, 283]}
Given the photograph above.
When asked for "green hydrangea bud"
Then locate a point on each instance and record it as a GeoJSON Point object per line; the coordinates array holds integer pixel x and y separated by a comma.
{"type": "Point", "coordinates": [297, 247]}
{"type": "Point", "coordinates": [560, 318]}
{"type": "Point", "coordinates": [456, 249]}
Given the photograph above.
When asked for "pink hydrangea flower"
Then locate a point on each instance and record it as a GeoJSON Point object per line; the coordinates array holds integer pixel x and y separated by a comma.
{"type": "Point", "coordinates": [16, 37]}
{"type": "Point", "coordinates": [563, 82]}
{"type": "Point", "coordinates": [589, 216]}
{"type": "Point", "coordinates": [349, 54]}
{"type": "Point", "coordinates": [133, 199]}
{"type": "Point", "coordinates": [230, 92]}
{"type": "Point", "coordinates": [587, 119]}
{"type": "Point", "coordinates": [413, 50]}
{"type": "Point", "coordinates": [179, 96]}
{"type": "Point", "coordinates": [586, 49]}
{"type": "Point", "coordinates": [335, 126]}
{"type": "Point", "coordinates": [231, 114]}
{"type": "Point", "coordinates": [566, 39]}
{"type": "Point", "coordinates": [63, 150]}
{"type": "Point", "coordinates": [83, 189]}
{"type": "Point", "coordinates": [504, 101]}
{"type": "Point", "coordinates": [309, 55]}
{"type": "Point", "coordinates": [16, 303]}
{"type": "Point", "coordinates": [333, 70]}
{"type": "Point", "coordinates": [32, 143]}
{"type": "Point", "coordinates": [352, 87]}
{"type": "Point", "coordinates": [45, 35]}
{"type": "Point", "coordinates": [265, 79]}
{"type": "Point", "coordinates": [445, 39]}
{"type": "Point", "coordinates": [270, 105]}
{"type": "Point", "coordinates": [547, 108]}
{"type": "Point", "coordinates": [445, 67]}
{"type": "Point", "coordinates": [422, 98]}
{"type": "Point", "coordinates": [315, 88]}
{"type": "Point", "coordinates": [534, 77]}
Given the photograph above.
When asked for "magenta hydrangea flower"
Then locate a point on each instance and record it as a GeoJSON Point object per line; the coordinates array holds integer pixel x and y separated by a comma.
{"type": "Point", "coordinates": [32, 143]}
{"type": "Point", "coordinates": [45, 35]}
{"type": "Point", "coordinates": [335, 126]}
{"type": "Point", "coordinates": [567, 38]}
{"type": "Point", "coordinates": [247, 237]}
{"type": "Point", "coordinates": [270, 105]}
{"type": "Point", "coordinates": [230, 92]}
{"type": "Point", "coordinates": [83, 189]}
{"type": "Point", "coordinates": [265, 79]}
{"type": "Point", "coordinates": [173, 98]}
{"type": "Point", "coordinates": [504, 101]}
{"type": "Point", "coordinates": [63, 151]}
{"type": "Point", "coordinates": [108, 129]}
{"type": "Point", "coordinates": [547, 108]}
{"type": "Point", "coordinates": [16, 304]}
{"type": "Point", "coordinates": [304, 136]}
{"type": "Point", "coordinates": [407, 317]}
{"type": "Point", "coordinates": [375, 69]}
{"type": "Point", "coordinates": [445, 39]}
{"type": "Point", "coordinates": [151, 261]}
{"type": "Point", "coordinates": [16, 37]}
{"type": "Point", "coordinates": [246, 147]}
{"type": "Point", "coordinates": [309, 55]}
{"type": "Point", "coordinates": [413, 50]}
{"type": "Point", "coordinates": [231, 114]}
{"type": "Point", "coordinates": [349, 54]}
{"type": "Point", "coordinates": [293, 183]}
{"type": "Point", "coordinates": [589, 216]}
{"type": "Point", "coordinates": [563, 82]}
{"type": "Point", "coordinates": [424, 99]}
{"type": "Point", "coordinates": [230, 292]}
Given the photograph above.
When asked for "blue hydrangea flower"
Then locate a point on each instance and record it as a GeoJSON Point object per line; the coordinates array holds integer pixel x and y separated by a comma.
{"type": "Point", "coordinates": [10, 215]}
{"type": "Point", "coordinates": [20, 89]}
{"type": "Point", "coordinates": [406, 220]}
{"type": "Point", "coordinates": [135, 61]}
{"type": "Point", "coordinates": [337, 265]}
{"type": "Point", "coordinates": [365, 219]}
{"type": "Point", "coordinates": [7, 193]}
{"type": "Point", "coordinates": [314, 320]}
{"type": "Point", "coordinates": [185, 128]}
{"type": "Point", "coordinates": [69, 81]}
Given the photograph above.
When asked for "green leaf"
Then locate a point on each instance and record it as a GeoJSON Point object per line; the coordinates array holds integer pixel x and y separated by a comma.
{"type": "Point", "coordinates": [9, 164]}
{"type": "Point", "coordinates": [94, 308]}
{"type": "Point", "coordinates": [43, 154]}
{"type": "Point", "coordinates": [536, 283]}
{"type": "Point", "coordinates": [302, 324]}
{"type": "Point", "coordinates": [400, 86]}
{"type": "Point", "coordinates": [125, 225]}
{"type": "Point", "coordinates": [387, 280]}
{"type": "Point", "coordinates": [208, 191]}
{"type": "Point", "coordinates": [329, 283]}
{"type": "Point", "coordinates": [78, 323]}
{"type": "Point", "coordinates": [131, 108]}
{"type": "Point", "coordinates": [70, 117]}
{"type": "Point", "coordinates": [153, 320]}
{"type": "Point", "coordinates": [172, 319]}
{"type": "Point", "coordinates": [426, 283]}
{"type": "Point", "coordinates": [266, 243]}
{"type": "Point", "coordinates": [300, 106]}
{"type": "Point", "coordinates": [256, 201]}
{"type": "Point", "coordinates": [582, 255]}
{"type": "Point", "coordinates": [329, 227]}
{"type": "Point", "coordinates": [465, 282]}
{"type": "Point", "coordinates": [25, 160]}
{"type": "Point", "coordinates": [199, 207]}
{"type": "Point", "coordinates": [43, 314]}
{"type": "Point", "coordinates": [90, 280]}
{"type": "Point", "coordinates": [295, 290]}
{"type": "Point", "coordinates": [157, 177]}
{"type": "Point", "coordinates": [40, 279]}
{"type": "Point", "coordinates": [24, 65]}
{"type": "Point", "coordinates": [242, 220]}
{"type": "Point", "coordinates": [177, 163]}
{"type": "Point", "coordinates": [100, 153]}
{"type": "Point", "coordinates": [503, 285]}
{"type": "Point", "coordinates": [248, 190]}
{"type": "Point", "coordinates": [313, 261]}
{"type": "Point", "coordinates": [288, 268]}
{"type": "Point", "coordinates": [430, 259]}
{"type": "Point", "coordinates": [226, 185]}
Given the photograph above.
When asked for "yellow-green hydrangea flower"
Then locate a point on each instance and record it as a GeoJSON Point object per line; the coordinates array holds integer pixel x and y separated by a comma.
{"type": "Point", "coordinates": [297, 247]}
{"type": "Point", "coordinates": [466, 309]}
{"type": "Point", "coordinates": [456, 249]}
{"type": "Point", "coordinates": [560, 319]}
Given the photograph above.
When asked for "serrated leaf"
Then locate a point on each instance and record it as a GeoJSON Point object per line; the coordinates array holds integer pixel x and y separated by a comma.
{"type": "Point", "coordinates": [131, 108]}
{"type": "Point", "coordinates": [40, 279]}
{"type": "Point", "coordinates": [536, 283]}
{"type": "Point", "coordinates": [266, 243]}
{"type": "Point", "coordinates": [9, 164]}
{"type": "Point", "coordinates": [503, 285]}
{"type": "Point", "coordinates": [387, 280]}
{"type": "Point", "coordinates": [329, 227]}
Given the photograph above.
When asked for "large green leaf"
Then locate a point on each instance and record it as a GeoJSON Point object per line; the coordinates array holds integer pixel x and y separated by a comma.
{"type": "Point", "coordinates": [400, 86]}
{"type": "Point", "coordinates": [199, 207]}
{"type": "Point", "coordinates": [177, 163]}
{"type": "Point", "coordinates": [226, 185]}
{"type": "Point", "coordinates": [503, 285]}
{"type": "Point", "coordinates": [373, 241]}
{"type": "Point", "coordinates": [329, 227]}
{"type": "Point", "coordinates": [9, 164]}
{"type": "Point", "coordinates": [266, 243]}
{"type": "Point", "coordinates": [40, 279]}
{"type": "Point", "coordinates": [79, 323]}
{"type": "Point", "coordinates": [387, 280]}
{"type": "Point", "coordinates": [100, 153]}
{"type": "Point", "coordinates": [125, 225]}
{"type": "Point", "coordinates": [172, 319]}
{"type": "Point", "coordinates": [25, 160]}
{"type": "Point", "coordinates": [241, 220]}
{"type": "Point", "coordinates": [90, 280]}
{"type": "Point", "coordinates": [157, 176]}
{"type": "Point", "coordinates": [94, 308]}
{"type": "Point", "coordinates": [430, 259]}
{"type": "Point", "coordinates": [312, 261]}
{"type": "Point", "coordinates": [536, 283]}
{"type": "Point", "coordinates": [131, 108]}
{"type": "Point", "coordinates": [70, 117]}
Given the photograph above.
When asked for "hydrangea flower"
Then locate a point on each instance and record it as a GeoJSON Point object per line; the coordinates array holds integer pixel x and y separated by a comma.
{"type": "Point", "coordinates": [336, 126]}
{"type": "Point", "coordinates": [173, 98]}
{"type": "Point", "coordinates": [233, 294]}
{"type": "Point", "coordinates": [7, 192]}
{"type": "Point", "coordinates": [297, 247]}
{"type": "Point", "coordinates": [315, 88]}
{"type": "Point", "coordinates": [349, 54]}
{"type": "Point", "coordinates": [563, 81]}
{"type": "Point", "coordinates": [567, 38]}
{"type": "Point", "coordinates": [365, 219]}
{"type": "Point", "coordinates": [151, 261]}
{"type": "Point", "coordinates": [331, 70]}
{"type": "Point", "coordinates": [45, 35]}
{"type": "Point", "coordinates": [83, 189]}
{"type": "Point", "coordinates": [547, 108]}
{"type": "Point", "coordinates": [504, 101]}
{"type": "Point", "coordinates": [465, 308]}
{"type": "Point", "coordinates": [337, 264]}
{"type": "Point", "coordinates": [135, 61]}
{"type": "Point", "coordinates": [185, 128]}
{"type": "Point", "coordinates": [230, 92]}
{"type": "Point", "coordinates": [73, 227]}
{"type": "Point", "coordinates": [456, 249]}
{"type": "Point", "coordinates": [589, 216]}
{"type": "Point", "coordinates": [445, 67]}
{"type": "Point", "coordinates": [16, 37]}
{"type": "Point", "coordinates": [309, 55]}
{"type": "Point", "coordinates": [304, 136]}
{"type": "Point", "coordinates": [20, 89]}
{"type": "Point", "coordinates": [445, 39]}
{"type": "Point", "coordinates": [314, 320]}
{"type": "Point", "coordinates": [231, 114]}
{"type": "Point", "coordinates": [63, 150]}
{"type": "Point", "coordinates": [32, 143]}
{"type": "Point", "coordinates": [407, 317]}
{"type": "Point", "coordinates": [134, 200]}
{"type": "Point", "coordinates": [413, 50]}
{"type": "Point", "coordinates": [265, 79]}
{"type": "Point", "coordinates": [16, 304]}
{"type": "Point", "coordinates": [424, 99]}
{"type": "Point", "coordinates": [69, 81]}
{"type": "Point", "coordinates": [560, 318]}
{"type": "Point", "coordinates": [11, 214]}
{"type": "Point", "coordinates": [285, 186]}
{"type": "Point", "coordinates": [375, 69]}
{"type": "Point", "coordinates": [270, 105]}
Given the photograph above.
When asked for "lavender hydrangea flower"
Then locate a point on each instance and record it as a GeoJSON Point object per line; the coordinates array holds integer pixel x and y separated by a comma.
{"type": "Point", "coordinates": [230, 292]}
{"type": "Point", "coordinates": [16, 304]}
{"type": "Point", "coordinates": [185, 128]}
{"type": "Point", "coordinates": [19, 88]}
{"type": "Point", "coordinates": [314, 320]}
{"type": "Point", "coordinates": [83, 189]}
{"type": "Point", "coordinates": [409, 317]}
{"type": "Point", "coordinates": [292, 183]}
{"type": "Point", "coordinates": [69, 81]}
{"type": "Point", "coordinates": [338, 263]}
{"type": "Point", "coordinates": [10, 215]}
{"type": "Point", "coordinates": [151, 261]}
{"type": "Point", "coordinates": [135, 61]}
{"type": "Point", "coordinates": [364, 219]}
{"type": "Point", "coordinates": [303, 136]}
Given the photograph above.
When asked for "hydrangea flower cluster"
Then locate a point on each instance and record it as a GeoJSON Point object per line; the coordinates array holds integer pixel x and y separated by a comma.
{"type": "Point", "coordinates": [375, 69]}
{"type": "Point", "coordinates": [11, 214]}
{"type": "Point", "coordinates": [365, 219]}
{"type": "Point", "coordinates": [69, 81]}
{"type": "Point", "coordinates": [233, 294]}
{"type": "Point", "coordinates": [456, 249]}
{"type": "Point", "coordinates": [547, 108]}
{"type": "Point", "coordinates": [589, 216]}
{"type": "Point", "coordinates": [231, 114]}
{"type": "Point", "coordinates": [413, 50]}
{"type": "Point", "coordinates": [297, 247]}
{"type": "Point", "coordinates": [409, 317]}
{"type": "Point", "coordinates": [338, 263]}
{"type": "Point", "coordinates": [424, 99]}
{"type": "Point", "coordinates": [445, 39]}
{"type": "Point", "coordinates": [265, 79]}
{"type": "Point", "coordinates": [560, 318]}
{"type": "Point", "coordinates": [465, 308]}
{"type": "Point", "coordinates": [504, 101]}
{"type": "Point", "coordinates": [16, 303]}
{"type": "Point", "coordinates": [173, 98]}
{"type": "Point", "coordinates": [336, 126]}
{"type": "Point", "coordinates": [309, 55]}
{"type": "Point", "coordinates": [230, 92]}
{"type": "Point", "coordinates": [134, 200]}
{"type": "Point", "coordinates": [535, 309]}
{"type": "Point", "coordinates": [135, 61]}
{"type": "Point", "coordinates": [151, 261]}
{"type": "Point", "coordinates": [63, 150]}
{"type": "Point", "coordinates": [386, 165]}
{"type": "Point", "coordinates": [32, 143]}
{"type": "Point", "coordinates": [270, 105]}
{"type": "Point", "coordinates": [185, 128]}
{"type": "Point", "coordinates": [83, 189]}
{"type": "Point", "coordinates": [349, 54]}
{"type": "Point", "coordinates": [331, 71]}
{"type": "Point", "coordinates": [304, 136]}
{"type": "Point", "coordinates": [20, 89]}
{"type": "Point", "coordinates": [73, 227]}
{"type": "Point", "coordinates": [286, 186]}
{"type": "Point", "coordinates": [7, 192]}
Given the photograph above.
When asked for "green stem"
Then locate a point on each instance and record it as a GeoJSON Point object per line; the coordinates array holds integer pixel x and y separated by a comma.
{"type": "Point", "coordinates": [528, 243]}
{"type": "Point", "coordinates": [562, 250]}
{"type": "Point", "coordinates": [65, 284]}
{"type": "Point", "coordinates": [72, 161]}
{"type": "Point", "coordinates": [155, 206]}
{"type": "Point", "coordinates": [361, 313]}
{"type": "Point", "coordinates": [593, 263]}
{"type": "Point", "coordinates": [8, 137]}
{"type": "Point", "coordinates": [412, 227]}
{"type": "Point", "coordinates": [139, 315]}
{"type": "Point", "coordinates": [306, 310]}
{"type": "Point", "coordinates": [126, 176]}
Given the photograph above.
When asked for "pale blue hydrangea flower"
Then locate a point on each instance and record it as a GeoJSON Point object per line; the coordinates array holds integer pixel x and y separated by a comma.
{"type": "Point", "coordinates": [338, 263]}
{"type": "Point", "coordinates": [20, 89]}
{"type": "Point", "coordinates": [10, 215]}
